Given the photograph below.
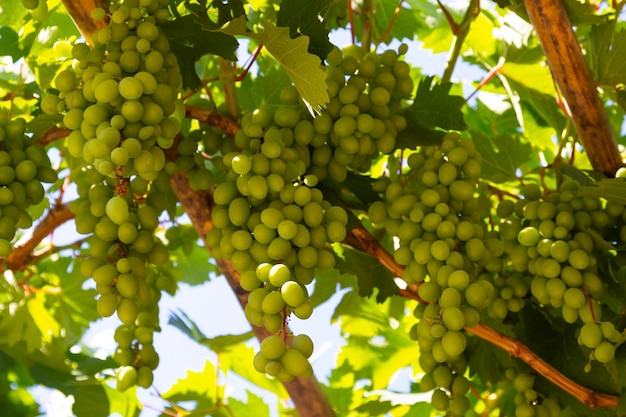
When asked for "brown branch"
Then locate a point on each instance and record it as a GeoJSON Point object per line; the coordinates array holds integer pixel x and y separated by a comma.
{"type": "Point", "coordinates": [80, 12]}
{"type": "Point", "coordinates": [22, 255]}
{"type": "Point", "coordinates": [513, 347]}
{"type": "Point", "coordinates": [51, 135]}
{"type": "Point", "coordinates": [574, 79]}
{"type": "Point", "coordinates": [306, 393]}
{"type": "Point", "coordinates": [213, 118]}
{"type": "Point", "coordinates": [519, 350]}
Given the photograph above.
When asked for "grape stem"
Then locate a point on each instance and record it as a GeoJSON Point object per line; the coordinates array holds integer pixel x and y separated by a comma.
{"type": "Point", "coordinates": [460, 31]}
{"type": "Point", "coordinates": [513, 347]}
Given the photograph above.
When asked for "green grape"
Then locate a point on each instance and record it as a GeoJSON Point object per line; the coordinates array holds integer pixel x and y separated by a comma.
{"type": "Point", "coordinates": [106, 304]}
{"type": "Point", "coordinates": [295, 363]}
{"type": "Point", "coordinates": [453, 343]}
{"type": "Point", "coordinates": [453, 318]}
{"type": "Point", "coordinates": [293, 293]}
{"type": "Point", "coordinates": [273, 303]}
{"type": "Point", "coordinates": [604, 352]}
{"type": "Point", "coordinates": [127, 311]}
{"type": "Point", "coordinates": [117, 210]}
{"type": "Point", "coordinates": [273, 347]}
{"type": "Point", "coordinates": [303, 344]}
{"type": "Point", "coordinates": [126, 377]}
{"type": "Point", "coordinates": [590, 335]}
{"type": "Point", "coordinates": [144, 377]}
{"type": "Point", "coordinates": [440, 400]}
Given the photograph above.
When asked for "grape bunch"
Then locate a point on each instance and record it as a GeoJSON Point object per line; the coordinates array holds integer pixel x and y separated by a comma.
{"type": "Point", "coordinates": [363, 117]}
{"type": "Point", "coordinates": [24, 166]}
{"type": "Point", "coordinates": [272, 222]}
{"type": "Point", "coordinates": [284, 356]}
{"type": "Point", "coordinates": [120, 102]}
{"type": "Point", "coordinates": [439, 240]}
{"type": "Point", "coordinates": [555, 241]}
{"type": "Point", "coordinates": [528, 402]}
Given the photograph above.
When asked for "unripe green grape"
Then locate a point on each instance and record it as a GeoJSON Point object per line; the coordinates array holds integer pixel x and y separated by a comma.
{"type": "Point", "coordinates": [303, 344]}
{"type": "Point", "coordinates": [106, 304]}
{"type": "Point", "coordinates": [453, 318]}
{"type": "Point", "coordinates": [127, 311]}
{"type": "Point", "coordinates": [304, 311]}
{"type": "Point", "coordinates": [126, 285]}
{"type": "Point", "coordinates": [126, 378]}
{"type": "Point", "coordinates": [590, 335]}
{"type": "Point", "coordinates": [272, 347]}
{"type": "Point", "coordinates": [440, 400]}
{"type": "Point", "coordinates": [277, 275]}
{"type": "Point", "coordinates": [295, 363]}
{"type": "Point", "coordinates": [293, 293]}
{"type": "Point", "coordinates": [604, 352]}
{"type": "Point", "coordinates": [453, 343]}
{"type": "Point", "coordinates": [273, 303]}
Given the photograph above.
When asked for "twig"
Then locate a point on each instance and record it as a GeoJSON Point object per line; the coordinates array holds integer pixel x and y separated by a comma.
{"type": "Point", "coordinates": [461, 32]}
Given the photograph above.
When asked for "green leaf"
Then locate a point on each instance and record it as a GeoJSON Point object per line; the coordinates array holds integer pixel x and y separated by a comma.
{"type": "Point", "coordinates": [370, 274]}
{"type": "Point", "coordinates": [190, 41]}
{"type": "Point", "coordinates": [360, 316]}
{"type": "Point", "coordinates": [501, 155]}
{"type": "Point", "coordinates": [254, 405]}
{"type": "Point", "coordinates": [9, 43]}
{"type": "Point", "coordinates": [217, 344]}
{"type": "Point", "coordinates": [375, 407]}
{"type": "Point", "coordinates": [611, 189]}
{"type": "Point", "coordinates": [195, 386]}
{"type": "Point", "coordinates": [193, 268]}
{"type": "Point", "coordinates": [606, 55]}
{"type": "Point", "coordinates": [91, 401]}
{"type": "Point", "coordinates": [434, 107]}
{"type": "Point", "coordinates": [302, 67]}
{"type": "Point", "coordinates": [303, 18]}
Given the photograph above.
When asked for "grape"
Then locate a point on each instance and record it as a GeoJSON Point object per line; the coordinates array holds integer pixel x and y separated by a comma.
{"type": "Point", "coordinates": [293, 293]}
{"type": "Point", "coordinates": [127, 311]}
{"type": "Point", "coordinates": [604, 352]}
{"type": "Point", "coordinates": [295, 363]}
{"type": "Point", "coordinates": [453, 343]}
{"type": "Point", "coordinates": [303, 344]}
{"type": "Point", "coordinates": [590, 335]}
{"type": "Point", "coordinates": [117, 210]}
{"type": "Point", "coordinates": [126, 378]}
{"type": "Point", "coordinates": [273, 347]}
{"type": "Point", "coordinates": [107, 304]}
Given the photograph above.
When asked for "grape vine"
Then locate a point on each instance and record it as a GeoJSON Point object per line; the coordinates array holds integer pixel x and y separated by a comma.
{"type": "Point", "coordinates": [282, 197]}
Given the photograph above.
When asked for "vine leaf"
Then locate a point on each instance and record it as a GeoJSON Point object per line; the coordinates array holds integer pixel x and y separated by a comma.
{"type": "Point", "coordinates": [606, 51]}
{"type": "Point", "coordinates": [302, 67]}
{"type": "Point", "coordinates": [501, 155]}
{"type": "Point", "coordinates": [9, 43]}
{"type": "Point", "coordinates": [371, 274]}
{"type": "Point", "coordinates": [102, 401]}
{"type": "Point", "coordinates": [433, 108]}
{"type": "Point", "coordinates": [302, 18]}
{"type": "Point", "coordinates": [190, 41]}
{"type": "Point", "coordinates": [195, 386]}
{"type": "Point", "coordinates": [217, 344]}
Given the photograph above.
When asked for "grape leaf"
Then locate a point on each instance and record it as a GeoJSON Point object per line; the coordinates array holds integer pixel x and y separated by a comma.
{"type": "Point", "coordinates": [606, 54]}
{"type": "Point", "coordinates": [611, 189]}
{"type": "Point", "coordinates": [371, 274]}
{"type": "Point", "coordinates": [254, 405]}
{"type": "Point", "coordinates": [433, 106]}
{"type": "Point", "coordinates": [192, 268]}
{"type": "Point", "coordinates": [217, 344]}
{"type": "Point", "coordinates": [195, 386]}
{"type": "Point", "coordinates": [302, 67]}
{"type": "Point", "coordinates": [501, 155]}
{"type": "Point", "coordinates": [303, 18]}
{"type": "Point", "coordinates": [190, 41]}
{"type": "Point", "coordinates": [9, 43]}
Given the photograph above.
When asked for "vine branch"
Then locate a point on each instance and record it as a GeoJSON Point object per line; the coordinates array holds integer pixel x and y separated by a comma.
{"type": "Point", "coordinates": [21, 256]}
{"type": "Point", "coordinates": [573, 77]}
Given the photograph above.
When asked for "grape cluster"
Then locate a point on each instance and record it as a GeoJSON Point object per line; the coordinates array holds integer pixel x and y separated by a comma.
{"type": "Point", "coordinates": [284, 356]}
{"type": "Point", "coordinates": [120, 101]}
{"type": "Point", "coordinates": [555, 241]}
{"type": "Point", "coordinates": [528, 402]}
{"type": "Point", "coordinates": [24, 166]}
{"type": "Point", "coordinates": [364, 116]}
{"type": "Point", "coordinates": [439, 236]}
{"type": "Point", "coordinates": [271, 221]}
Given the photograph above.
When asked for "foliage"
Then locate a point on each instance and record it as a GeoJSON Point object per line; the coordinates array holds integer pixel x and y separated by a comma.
{"type": "Point", "coordinates": [237, 56]}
